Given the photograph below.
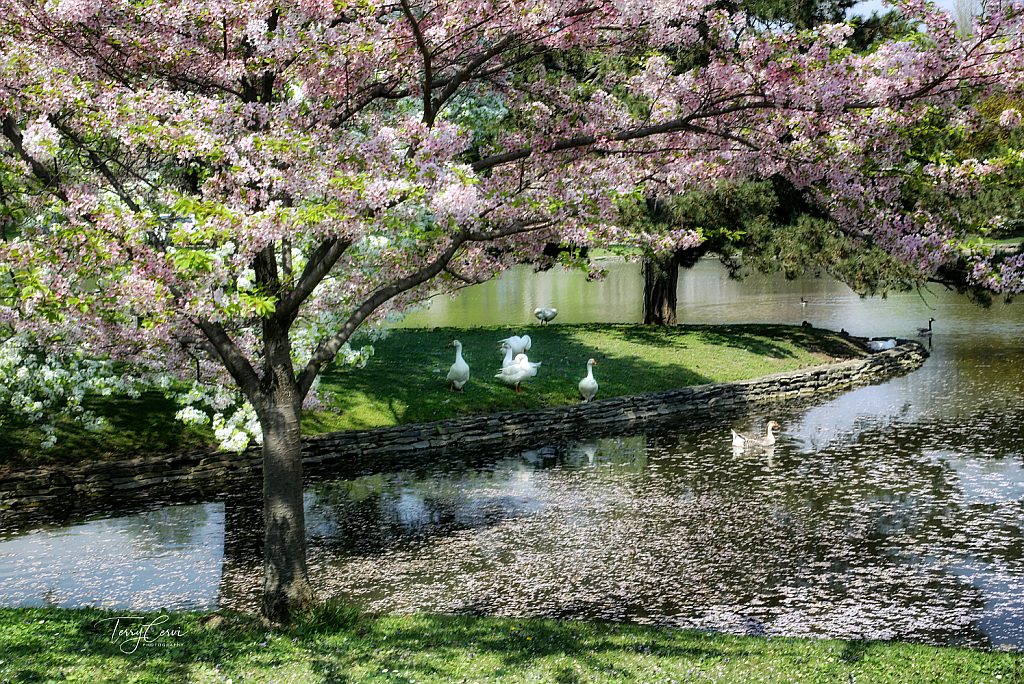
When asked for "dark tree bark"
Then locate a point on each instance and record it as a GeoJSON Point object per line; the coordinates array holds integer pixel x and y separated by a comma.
{"type": "Point", "coordinates": [661, 276]}
{"type": "Point", "coordinates": [286, 587]}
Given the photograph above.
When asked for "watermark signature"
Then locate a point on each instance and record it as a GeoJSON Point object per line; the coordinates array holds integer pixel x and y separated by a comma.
{"type": "Point", "coordinates": [130, 632]}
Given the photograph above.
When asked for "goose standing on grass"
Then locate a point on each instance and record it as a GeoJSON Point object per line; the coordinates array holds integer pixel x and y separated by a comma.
{"type": "Point", "coordinates": [926, 332]}
{"type": "Point", "coordinates": [521, 370]}
{"type": "Point", "coordinates": [545, 314]}
{"type": "Point", "coordinates": [527, 364]}
{"type": "Point", "coordinates": [508, 360]}
{"type": "Point", "coordinates": [588, 385]}
{"type": "Point", "coordinates": [741, 440]}
{"type": "Point", "coordinates": [519, 345]}
{"type": "Point", "coordinates": [458, 374]}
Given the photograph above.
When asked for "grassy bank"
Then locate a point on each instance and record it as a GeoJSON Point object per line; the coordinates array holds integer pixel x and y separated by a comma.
{"type": "Point", "coordinates": [404, 382]}
{"type": "Point", "coordinates": [40, 645]}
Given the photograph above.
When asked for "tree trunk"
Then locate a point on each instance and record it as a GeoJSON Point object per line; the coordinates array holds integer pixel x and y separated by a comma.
{"type": "Point", "coordinates": [286, 587]}
{"type": "Point", "coordinates": [661, 276]}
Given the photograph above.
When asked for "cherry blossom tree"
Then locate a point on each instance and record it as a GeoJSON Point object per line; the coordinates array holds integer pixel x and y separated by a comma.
{"type": "Point", "coordinates": [223, 193]}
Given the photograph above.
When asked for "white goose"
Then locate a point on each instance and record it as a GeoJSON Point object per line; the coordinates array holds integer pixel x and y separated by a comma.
{"type": "Point", "coordinates": [741, 440]}
{"type": "Point", "coordinates": [544, 314]}
{"type": "Point", "coordinates": [508, 360]}
{"type": "Point", "coordinates": [588, 385]}
{"type": "Point", "coordinates": [881, 345]}
{"type": "Point", "coordinates": [458, 374]}
{"type": "Point", "coordinates": [520, 345]}
{"type": "Point", "coordinates": [522, 369]}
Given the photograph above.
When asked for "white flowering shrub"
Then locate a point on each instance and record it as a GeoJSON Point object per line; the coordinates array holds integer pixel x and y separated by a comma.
{"type": "Point", "coordinates": [43, 386]}
{"type": "Point", "coordinates": [232, 417]}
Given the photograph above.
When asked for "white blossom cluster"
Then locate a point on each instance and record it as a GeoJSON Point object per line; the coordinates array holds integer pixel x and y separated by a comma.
{"type": "Point", "coordinates": [234, 420]}
{"type": "Point", "coordinates": [232, 417]}
{"type": "Point", "coordinates": [43, 386]}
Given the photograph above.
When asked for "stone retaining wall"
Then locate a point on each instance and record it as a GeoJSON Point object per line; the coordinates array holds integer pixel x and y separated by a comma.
{"type": "Point", "coordinates": [46, 486]}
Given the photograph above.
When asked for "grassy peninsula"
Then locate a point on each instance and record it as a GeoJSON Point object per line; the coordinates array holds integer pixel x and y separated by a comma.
{"type": "Point", "coordinates": [404, 381]}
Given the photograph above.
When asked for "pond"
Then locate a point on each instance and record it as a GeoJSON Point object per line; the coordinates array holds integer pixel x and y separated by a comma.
{"type": "Point", "coordinates": [893, 510]}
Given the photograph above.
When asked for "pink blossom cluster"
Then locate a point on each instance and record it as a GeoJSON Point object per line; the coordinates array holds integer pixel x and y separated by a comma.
{"type": "Point", "coordinates": [1010, 118]}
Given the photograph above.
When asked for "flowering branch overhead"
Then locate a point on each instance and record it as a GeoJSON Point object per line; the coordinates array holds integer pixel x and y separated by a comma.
{"type": "Point", "coordinates": [184, 150]}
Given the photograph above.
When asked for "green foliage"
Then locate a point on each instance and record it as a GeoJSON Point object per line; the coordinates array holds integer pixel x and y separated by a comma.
{"type": "Point", "coordinates": [333, 615]}
{"type": "Point", "coordinates": [995, 211]}
{"type": "Point", "coordinates": [142, 426]}
{"type": "Point", "coordinates": [811, 244]}
{"type": "Point", "coordinates": [722, 215]}
{"type": "Point", "coordinates": [776, 230]}
{"type": "Point", "coordinates": [870, 32]}
{"type": "Point", "coordinates": [797, 14]}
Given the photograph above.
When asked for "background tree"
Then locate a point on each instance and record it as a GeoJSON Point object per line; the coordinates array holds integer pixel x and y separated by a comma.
{"type": "Point", "coordinates": [791, 235]}
{"type": "Point", "coordinates": [222, 194]}
{"type": "Point", "coordinates": [720, 216]}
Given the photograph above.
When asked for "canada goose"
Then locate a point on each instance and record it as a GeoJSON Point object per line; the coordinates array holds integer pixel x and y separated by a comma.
{"type": "Point", "coordinates": [926, 332]}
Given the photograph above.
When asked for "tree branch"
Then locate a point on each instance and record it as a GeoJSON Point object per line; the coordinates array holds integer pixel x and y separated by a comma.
{"type": "Point", "coordinates": [329, 349]}
{"type": "Point", "coordinates": [458, 276]}
{"type": "Point", "coordinates": [232, 358]}
{"type": "Point", "coordinates": [100, 165]}
{"type": "Point", "coordinates": [428, 70]}
{"type": "Point", "coordinates": [49, 180]}
{"type": "Point", "coordinates": [319, 265]}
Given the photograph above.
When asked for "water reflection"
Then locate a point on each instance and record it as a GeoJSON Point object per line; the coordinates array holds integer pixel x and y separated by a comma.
{"type": "Point", "coordinates": [893, 510]}
{"type": "Point", "coordinates": [169, 556]}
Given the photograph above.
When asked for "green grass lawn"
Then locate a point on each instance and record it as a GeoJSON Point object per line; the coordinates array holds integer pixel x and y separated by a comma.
{"type": "Point", "coordinates": [337, 646]}
{"type": "Point", "coordinates": [404, 382]}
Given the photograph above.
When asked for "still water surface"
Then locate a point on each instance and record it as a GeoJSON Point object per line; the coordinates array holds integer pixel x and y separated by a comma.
{"type": "Point", "coordinates": [893, 510]}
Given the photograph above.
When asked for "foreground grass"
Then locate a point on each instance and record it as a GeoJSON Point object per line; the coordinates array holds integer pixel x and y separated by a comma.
{"type": "Point", "coordinates": [39, 645]}
{"type": "Point", "coordinates": [404, 382]}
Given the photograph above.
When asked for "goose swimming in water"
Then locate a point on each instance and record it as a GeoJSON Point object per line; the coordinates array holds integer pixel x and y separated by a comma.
{"type": "Point", "coordinates": [742, 440]}
{"type": "Point", "coordinates": [926, 332]}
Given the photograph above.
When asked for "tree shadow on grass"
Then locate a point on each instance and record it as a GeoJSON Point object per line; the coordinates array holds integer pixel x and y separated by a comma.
{"type": "Point", "coordinates": [141, 426]}
{"type": "Point", "coordinates": [503, 647]}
